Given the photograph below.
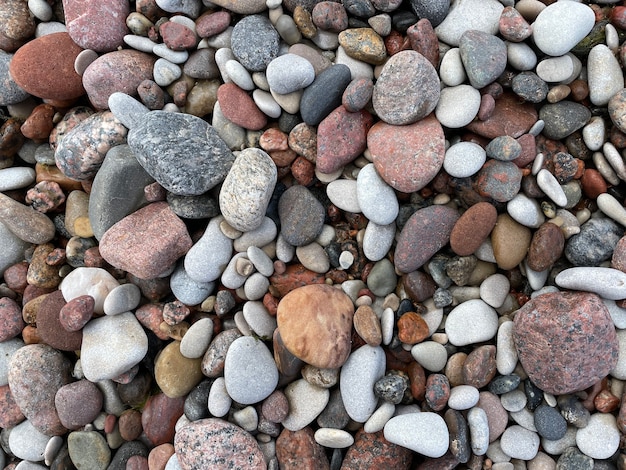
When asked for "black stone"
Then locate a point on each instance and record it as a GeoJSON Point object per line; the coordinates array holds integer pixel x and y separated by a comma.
{"type": "Point", "coordinates": [125, 452]}
{"type": "Point", "coordinates": [434, 11]}
{"type": "Point", "coordinates": [391, 388]}
{"type": "Point", "coordinates": [563, 118]}
{"type": "Point", "coordinates": [530, 87]}
{"type": "Point", "coordinates": [324, 94]}
{"type": "Point", "coordinates": [534, 395]}
{"type": "Point", "coordinates": [360, 8]}
{"type": "Point", "coordinates": [549, 423]}
{"type": "Point", "coordinates": [196, 403]}
{"type": "Point", "coordinates": [504, 384]}
{"type": "Point", "coordinates": [335, 414]}
{"type": "Point", "coordinates": [459, 435]}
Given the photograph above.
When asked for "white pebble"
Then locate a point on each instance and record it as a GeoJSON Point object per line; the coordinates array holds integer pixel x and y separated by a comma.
{"type": "Point", "coordinates": [219, 400]}
{"type": "Point", "coordinates": [16, 177]}
{"type": "Point", "coordinates": [606, 282]}
{"type": "Point", "coordinates": [594, 133]}
{"type": "Point", "coordinates": [425, 433]}
{"type": "Point", "coordinates": [246, 418]}
{"type": "Point", "coordinates": [430, 355]}
{"type": "Point", "coordinates": [551, 187]}
{"type": "Point", "coordinates": [463, 397]}
{"type": "Point", "coordinates": [379, 418]}
{"type": "Point", "coordinates": [614, 158]}
{"type": "Point", "coordinates": [555, 69]}
{"type": "Point", "coordinates": [139, 43]}
{"type": "Point", "coordinates": [239, 75]}
{"type": "Point", "coordinates": [457, 106]}
{"type": "Point", "coordinates": [256, 286]}
{"type": "Point", "coordinates": [166, 72]}
{"type": "Point", "coordinates": [464, 159]}
{"type": "Point", "coordinates": [483, 326]}
{"type": "Point", "coordinates": [494, 290]}
{"type": "Point", "coordinates": [519, 443]}
{"type": "Point", "coordinates": [521, 56]}
{"type": "Point", "coordinates": [612, 208]}
{"type": "Point", "coordinates": [343, 194]}
{"type": "Point", "coordinates": [479, 430]}
{"type": "Point", "coordinates": [333, 438]}
{"type": "Point", "coordinates": [451, 70]}
{"type": "Point", "coordinates": [306, 402]}
{"type": "Point", "coordinates": [525, 211]}
{"type": "Point", "coordinates": [40, 9]}
{"type": "Point", "coordinates": [266, 103]}
{"type": "Point", "coordinates": [387, 323]}
{"type": "Point", "coordinates": [196, 341]}
{"type": "Point", "coordinates": [258, 319]}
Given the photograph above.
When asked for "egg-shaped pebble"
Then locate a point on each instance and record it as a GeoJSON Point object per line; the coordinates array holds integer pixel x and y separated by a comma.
{"type": "Point", "coordinates": [464, 159]}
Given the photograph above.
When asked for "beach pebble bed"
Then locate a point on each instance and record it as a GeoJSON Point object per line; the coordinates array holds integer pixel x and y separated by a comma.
{"type": "Point", "coordinates": [265, 234]}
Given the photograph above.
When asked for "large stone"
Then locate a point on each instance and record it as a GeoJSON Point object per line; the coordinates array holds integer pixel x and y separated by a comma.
{"type": "Point", "coordinates": [99, 26]}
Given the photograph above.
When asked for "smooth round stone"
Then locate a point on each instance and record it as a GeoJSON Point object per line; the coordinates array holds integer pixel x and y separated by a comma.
{"type": "Point", "coordinates": [549, 423]}
{"type": "Point", "coordinates": [506, 354]}
{"type": "Point", "coordinates": [361, 371]}
{"type": "Point", "coordinates": [166, 72]}
{"type": "Point", "coordinates": [333, 438]}
{"type": "Point", "coordinates": [95, 282]}
{"type": "Point", "coordinates": [16, 177]}
{"type": "Point", "coordinates": [514, 400]}
{"type": "Point", "coordinates": [249, 371]}
{"type": "Point", "coordinates": [479, 430]}
{"type": "Point", "coordinates": [555, 69]}
{"type": "Point", "coordinates": [425, 433]}
{"type": "Point", "coordinates": [375, 197]}
{"type": "Point", "coordinates": [594, 133]}
{"type": "Point", "coordinates": [261, 261]}
{"type": "Point", "coordinates": [126, 109]}
{"type": "Point", "coordinates": [519, 443]}
{"type": "Point", "coordinates": [288, 73]}
{"type": "Point", "coordinates": [483, 56]}
{"type": "Point", "coordinates": [266, 103]}
{"type": "Point", "coordinates": [255, 286]}
{"type": "Point", "coordinates": [255, 55]}
{"type": "Point", "coordinates": [175, 374]}
{"type": "Point", "coordinates": [457, 106]}
{"type": "Point", "coordinates": [239, 75]}
{"type": "Point", "coordinates": [407, 89]}
{"type": "Point", "coordinates": [122, 299]}
{"type": "Point", "coordinates": [306, 402]}
{"type": "Point", "coordinates": [483, 327]}
{"type": "Point", "coordinates": [430, 355]}
{"type": "Point", "coordinates": [187, 290]}
{"type": "Point", "coordinates": [301, 216]}
{"type": "Point", "coordinates": [258, 237]}
{"type": "Point", "coordinates": [470, 14]}
{"type": "Point", "coordinates": [377, 240]}
{"type": "Point", "coordinates": [259, 320]}
{"type": "Point", "coordinates": [343, 194]}
{"type": "Point", "coordinates": [247, 189]}
{"type": "Point", "coordinates": [219, 401]}
{"type": "Point", "coordinates": [78, 403]}
{"type": "Point", "coordinates": [451, 70]}
{"type": "Point", "coordinates": [600, 438]}
{"type": "Point", "coordinates": [521, 56]}
{"type": "Point", "coordinates": [7, 348]}
{"type": "Point", "coordinates": [88, 449]}
{"type": "Point", "coordinates": [463, 397]}
{"type": "Point", "coordinates": [464, 159]}
{"type": "Point", "coordinates": [612, 208]}
{"type": "Point", "coordinates": [111, 346]}
{"type": "Point", "coordinates": [196, 341]}
{"type": "Point", "coordinates": [206, 260]}
{"type": "Point", "coordinates": [494, 290]}
{"type": "Point", "coordinates": [379, 418]}
{"type": "Point", "coordinates": [171, 58]}
{"type": "Point", "coordinates": [510, 242]}
{"type": "Point", "coordinates": [525, 211]}
{"type": "Point", "coordinates": [313, 257]}
{"type": "Point", "coordinates": [560, 26]}
{"type": "Point", "coordinates": [28, 443]}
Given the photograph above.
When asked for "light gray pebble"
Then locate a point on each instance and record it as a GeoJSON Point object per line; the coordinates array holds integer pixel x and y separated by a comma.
{"type": "Point", "coordinates": [260, 236]}
{"type": "Point", "coordinates": [457, 106]}
{"type": "Point", "coordinates": [382, 279]}
{"type": "Point", "coordinates": [188, 7]}
{"type": "Point", "coordinates": [612, 208]}
{"type": "Point", "coordinates": [327, 40]}
{"type": "Point", "coordinates": [343, 194]}
{"type": "Point", "coordinates": [83, 60]}
{"type": "Point", "coordinates": [246, 418]}
{"type": "Point", "coordinates": [261, 261]}
{"type": "Point", "coordinates": [451, 70]}
{"type": "Point", "coordinates": [196, 341]}
{"type": "Point", "coordinates": [387, 323]}
{"type": "Point", "coordinates": [122, 299]}
{"type": "Point", "coordinates": [524, 418]}
{"type": "Point", "coordinates": [513, 401]}
{"type": "Point", "coordinates": [483, 327]}
{"type": "Point", "coordinates": [425, 433]}
{"type": "Point", "coordinates": [49, 27]}
{"type": "Point", "coordinates": [375, 197]}
{"type": "Point", "coordinates": [27, 442]}
{"type": "Point", "coordinates": [231, 133]}
{"type": "Point", "coordinates": [187, 290]}
{"type": "Point", "coordinates": [256, 286]}
{"type": "Point", "coordinates": [463, 397]}
{"type": "Point", "coordinates": [222, 56]}
{"type": "Point", "coordinates": [313, 257]}
{"type": "Point", "coordinates": [208, 257]}
{"type": "Point", "coordinates": [551, 187]}
{"type": "Point", "coordinates": [259, 320]}
{"type": "Point", "coordinates": [519, 443]}
{"type": "Point", "coordinates": [503, 466]}
{"type": "Point", "coordinates": [495, 453]}
{"type": "Point", "coordinates": [16, 177]}
{"type": "Point", "coordinates": [555, 69]}
{"type": "Point", "coordinates": [126, 109]}
{"type": "Point", "coordinates": [594, 133]}
{"type": "Point", "coordinates": [479, 430]}
{"type": "Point", "coordinates": [173, 463]}
{"type": "Point", "coordinates": [377, 240]}
{"type": "Point", "coordinates": [250, 372]}
{"type": "Point", "coordinates": [239, 75]}
{"type": "Point", "coordinates": [358, 69]}
{"type": "Point", "coordinates": [481, 15]}
{"type": "Point", "coordinates": [506, 354]}
{"type": "Point", "coordinates": [218, 41]}
{"type": "Point", "coordinates": [219, 400]}
{"type": "Point", "coordinates": [607, 282]}
{"type": "Point", "coordinates": [139, 43]}
{"type": "Point", "coordinates": [174, 57]}
{"type": "Point", "coordinates": [379, 418]}
{"type": "Point", "coordinates": [333, 438]}
{"type": "Point", "coordinates": [363, 368]}
{"type": "Point", "coordinates": [306, 402]}
{"type": "Point", "coordinates": [430, 355]}
{"type": "Point", "coordinates": [50, 452]}
{"type": "Point", "coordinates": [618, 314]}
{"type": "Point", "coordinates": [111, 398]}
{"type": "Point", "coordinates": [525, 211]}
{"type": "Point", "coordinates": [557, 447]}
{"type": "Point", "coordinates": [600, 439]}
{"type": "Point", "coordinates": [494, 290]}
{"type": "Point", "coordinates": [241, 324]}
{"type": "Point", "coordinates": [464, 159]}
{"type": "Point", "coordinates": [288, 73]}
{"type": "Point", "coordinates": [284, 250]}
{"type": "Point", "coordinates": [352, 287]}
{"type": "Point", "coordinates": [619, 370]}
{"type": "Point", "coordinates": [27, 464]}
{"type": "Point", "coordinates": [521, 56]}
{"type": "Point", "coordinates": [40, 9]}
{"type": "Point", "coordinates": [559, 27]}
{"type": "Point", "coordinates": [166, 72]}
{"type": "Point", "coordinates": [266, 103]}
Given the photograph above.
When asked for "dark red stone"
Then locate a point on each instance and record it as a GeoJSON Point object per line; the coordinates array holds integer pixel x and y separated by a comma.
{"type": "Point", "coordinates": [437, 391]}
{"type": "Point", "coordinates": [509, 117]}
{"type": "Point", "coordinates": [10, 413]}
{"type": "Point", "coordinates": [212, 23]}
{"type": "Point", "coordinates": [238, 107]}
{"type": "Point", "coordinates": [50, 328]}
{"type": "Point", "coordinates": [159, 417]}
{"type": "Point", "coordinates": [566, 341]}
{"type": "Point", "coordinates": [546, 247]}
{"type": "Point", "coordinates": [372, 450]}
{"type": "Point", "coordinates": [176, 36]}
{"type": "Point", "coordinates": [424, 40]}
{"type": "Point", "coordinates": [480, 366]}
{"type": "Point", "coordinates": [11, 321]}
{"type": "Point", "coordinates": [298, 450]}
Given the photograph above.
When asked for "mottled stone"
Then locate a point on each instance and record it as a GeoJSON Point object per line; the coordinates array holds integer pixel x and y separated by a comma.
{"type": "Point", "coordinates": [301, 216]}
{"type": "Point", "coordinates": [239, 108]}
{"type": "Point", "coordinates": [509, 117]}
{"type": "Point", "coordinates": [484, 57]}
{"type": "Point", "coordinates": [372, 450]}
{"type": "Point", "coordinates": [566, 341]}
{"type": "Point", "coordinates": [299, 450]}
{"type": "Point", "coordinates": [159, 417]}
{"type": "Point", "coordinates": [78, 403]}
{"type": "Point", "coordinates": [97, 26]}
{"type": "Point", "coordinates": [594, 243]}
{"type": "Point", "coordinates": [49, 324]}
{"type": "Point", "coordinates": [498, 180]}
{"type": "Point", "coordinates": [563, 118]}
{"type": "Point", "coordinates": [18, 24]}
{"type": "Point", "coordinates": [546, 247]}
{"type": "Point", "coordinates": [363, 44]}
{"type": "Point", "coordinates": [255, 56]}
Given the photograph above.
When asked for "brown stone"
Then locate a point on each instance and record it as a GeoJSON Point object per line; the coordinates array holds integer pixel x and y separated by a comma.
{"type": "Point", "coordinates": [424, 40]}
{"type": "Point", "coordinates": [367, 325]}
{"type": "Point", "coordinates": [287, 364]}
{"type": "Point", "coordinates": [509, 117]}
{"type": "Point", "coordinates": [454, 368]}
{"type": "Point", "coordinates": [480, 366]}
{"type": "Point", "coordinates": [17, 26]}
{"type": "Point", "coordinates": [295, 276]}
{"type": "Point", "coordinates": [40, 273]}
{"type": "Point", "coordinates": [158, 456]}
{"type": "Point", "coordinates": [566, 341]}
{"type": "Point", "coordinates": [372, 450]}
{"type": "Point", "coordinates": [175, 374]}
{"type": "Point", "coordinates": [606, 402]}
{"type": "Point", "coordinates": [412, 328]}
{"type": "Point", "coordinates": [39, 124]}
{"type": "Point", "coordinates": [593, 183]}
{"type": "Point", "coordinates": [510, 241]}
{"type": "Point", "coordinates": [238, 107]}
{"type": "Point", "coordinates": [417, 380]}
{"type": "Point", "coordinates": [11, 321]}
{"type": "Point", "coordinates": [473, 228]}
{"type": "Point", "coordinates": [44, 67]}
{"type": "Point", "coordinates": [298, 450]}
{"type": "Point", "coordinates": [50, 327]}
{"type": "Point", "coordinates": [315, 324]}
{"type": "Point", "coordinates": [419, 286]}
{"type": "Point", "coordinates": [147, 242]}
{"type": "Point", "coordinates": [129, 424]}
{"type": "Point", "coordinates": [159, 417]}
{"type": "Point", "coordinates": [363, 44]}
{"type": "Point", "coordinates": [546, 247]}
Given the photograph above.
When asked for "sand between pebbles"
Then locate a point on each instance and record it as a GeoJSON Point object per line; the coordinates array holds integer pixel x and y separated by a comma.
{"type": "Point", "coordinates": [332, 235]}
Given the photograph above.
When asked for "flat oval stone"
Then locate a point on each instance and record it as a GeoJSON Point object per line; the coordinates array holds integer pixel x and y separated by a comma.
{"type": "Point", "coordinates": [483, 327]}
{"type": "Point", "coordinates": [44, 67]}
{"type": "Point", "coordinates": [247, 189]}
{"type": "Point", "coordinates": [324, 94]}
{"type": "Point", "coordinates": [358, 375]}
{"type": "Point", "coordinates": [176, 375]}
{"type": "Point", "coordinates": [483, 55]}
{"type": "Point", "coordinates": [213, 442]}
{"type": "Point", "coordinates": [407, 89]}
{"type": "Point", "coordinates": [457, 106]}
{"type": "Point", "coordinates": [250, 372]}
{"type": "Point", "coordinates": [407, 157]}
{"type": "Point", "coordinates": [473, 228]}
{"type": "Point", "coordinates": [301, 216]}
{"type": "Point", "coordinates": [469, 14]}
{"type": "Point", "coordinates": [208, 257]}
{"type": "Point", "coordinates": [424, 234]}
{"type": "Point", "coordinates": [563, 118]}
{"type": "Point", "coordinates": [558, 28]}
{"type": "Point", "coordinates": [343, 194]}
{"type": "Point", "coordinates": [519, 443]}
{"type": "Point", "coordinates": [425, 433]}
{"type": "Point", "coordinates": [156, 143]}
{"type": "Point", "coordinates": [509, 117]}
{"type": "Point", "coordinates": [607, 282]}
{"type": "Point", "coordinates": [363, 44]}
{"type": "Point", "coordinates": [510, 241]}
{"type": "Point", "coordinates": [376, 198]}
{"type": "Point", "coordinates": [255, 55]}
{"type": "Point", "coordinates": [239, 108]}
{"type": "Point", "coordinates": [318, 337]}
{"type": "Point", "coordinates": [306, 402]}
{"type": "Point", "coordinates": [288, 73]}
{"type": "Point", "coordinates": [556, 349]}
{"type": "Point", "coordinates": [96, 26]}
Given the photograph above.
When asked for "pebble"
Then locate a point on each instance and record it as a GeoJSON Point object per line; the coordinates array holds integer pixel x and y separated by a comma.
{"type": "Point", "coordinates": [457, 106]}
{"type": "Point", "coordinates": [95, 282]}
{"type": "Point", "coordinates": [343, 194]}
{"type": "Point", "coordinates": [208, 257]}
{"type": "Point", "coordinates": [301, 216]}
{"type": "Point", "coordinates": [484, 325]}
{"type": "Point", "coordinates": [483, 56]}
{"type": "Point", "coordinates": [525, 210]}
{"type": "Point", "coordinates": [255, 57]}
{"type": "Point", "coordinates": [594, 243]}
{"type": "Point", "coordinates": [377, 240]}
{"type": "Point", "coordinates": [88, 449]}
{"type": "Point", "coordinates": [463, 397]}
{"type": "Point", "coordinates": [494, 290]}
{"type": "Point", "coordinates": [306, 402]}
{"type": "Point", "coordinates": [573, 23]}
{"type": "Point", "coordinates": [549, 423]}
{"type": "Point", "coordinates": [333, 438]}
{"type": "Point", "coordinates": [469, 15]}
{"type": "Point", "coordinates": [313, 257]}
{"type": "Point", "coordinates": [359, 373]}
{"type": "Point", "coordinates": [401, 72]}
{"type": "Point", "coordinates": [589, 315]}
{"type": "Point", "coordinates": [430, 355]}
{"type": "Point", "coordinates": [78, 404]}
{"type": "Point", "coordinates": [27, 443]}
{"type": "Point", "coordinates": [175, 374]}
{"type": "Point", "coordinates": [519, 443]}
{"type": "Point", "coordinates": [563, 118]}
{"type": "Point", "coordinates": [428, 433]}
{"type": "Point", "coordinates": [288, 73]}
{"type": "Point", "coordinates": [510, 241]}
{"type": "Point", "coordinates": [123, 298]}
{"type": "Point", "coordinates": [219, 402]}
{"type": "Point", "coordinates": [97, 27]}
{"type": "Point", "coordinates": [187, 290]}
{"type": "Point", "coordinates": [600, 438]}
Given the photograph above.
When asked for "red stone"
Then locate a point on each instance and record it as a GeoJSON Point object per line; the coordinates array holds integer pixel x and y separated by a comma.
{"type": "Point", "coordinates": [295, 276]}
{"type": "Point", "coordinates": [100, 26]}
{"type": "Point", "coordinates": [303, 171]}
{"type": "Point", "coordinates": [39, 124]}
{"type": "Point", "coordinates": [473, 228]}
{"type": "Point", "coordinates": [424, 40]}
{"type": "Point", "coordinates": [566, 341]}
{"type": "Point", "coordinates": [15, 277]}
{"type": "Point", "coordinates": [480, 366]}
{"type": "Point", "coordinates": [159, 417]}
{"type": "Point", "coordinates": [606, 402]}
{"type": "Point", "coordinates": [513, 27]}
{"type": "Point", "coordinates": [10, 413]}
{"type": "Point", "coordinates": [76, 313]}
{"type": "Point", "coordinates": [417, 380]}
{"type": "Point", "coordinates": [130, 425]}
{"type": "Point", "coordinates": [239, 108]}
{"type": "Point", "coordinates": [372, 450]}
{"type": "Point", "coordinates": [44, 67]}
{"type": "Point", "coordinates": [298, 450]}
{"type": "Point", "coordinates": [546, 247]}
{"type": "Point", "coordinates": [437, 391]}
{"type": "Point", "coordinates": [509, 117]}
{"type": "Point", "coordinates": [11, 321]}
{"type": "Point", "coordinates": [211, 24]}
{"type": "Point", "coordinates": [593, 183]}
{"type": "Point", "coordinates": [176, 36]}
{"type": "Point", "coordinates": [330, 16]}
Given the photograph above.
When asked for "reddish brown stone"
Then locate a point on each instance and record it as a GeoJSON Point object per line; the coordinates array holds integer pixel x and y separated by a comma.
{"type": "Point", "coordinates": [618, 17]}
{"type": "Point", "coordinates": [372, 450]}
{"type": "Point", "coordinates": [17, 26]}
{"type": "Point", "coordinates": [341, 137]}
{"type": "Point", "coordinates": [159, 417]}
{"type": "Point", "coordinates": [50, 328]}
{"type": "Point", "coordinates": [546, 247]}
{"type": "Point", "coordinates": [11, 139]}
{"type": "Point", "coordinates": [412, 328]}
{"type": "Point", "coordinates": [11, 321]}
{"type": "Point", "coordinates": [288, 364]}
{"type": "Point", "coordinates": [487, 105]}
{"type": "Point", "coordinates": [618, 261]}
{"type": "Point", "coordinates": [330, 16]}
{"type": "Point", "coordinates": [480, 366]}
{"type": "Point", "coordinates": [424, 40]}
{"type": "Point", "coordinates": [44, 67]}
{"type": "Point", "coordinates": [98, 26]}
{"type": "Point", "coordinates": [130, 425]}
{"type": "Point", "coordinates": [158, 457]}
{"type": "Point", "coordinates": [566, 341]}
{"type": "Point", "coordinates": [419, 286]}
{"type": "Point", "coordinates": [580, 90]}
{"type": "Point", "coordinates": [239, 108]}
{"type": "Point", "coordinates": [529, 150]}
{"type": "Point", "coordinates": [303, 171]}
{"type": "Point", "coordinates": [367, 325]}
{"type": "Point", "coordinates": [76, 313]}
{"type": "Point", "coordinates": [606, 402]}
{"type": "Point", "coordinates": [176, 36]}
{"type": "Point", "coordinates": [137, 462]}
{"type": "Point", "coordinates": [513, 27]}
{"type": "Point", "coordinates": [445, 462]}
{"type": "Point", "coordinates": [78, 403]}
{"type": "Point", "coordinates": [211, 24]}
{"type": "Point", "coordinates": [298, 450]}
{"type": "Point", "coordinates": [509, 117]}
{"type": "Point", "coordinates": [39, 124]}
{"type": "Point", "coordinates": [146, 242]}
{"type": "Point", "coordinates": [295, 276]}
{"type": "Point", "coordinates": [593, 183]}
{"type": "Point", "coordinates": [473, 228]}
{"type": "Point", "coordinates": [407, 157]}
{"type": "Point", "coordinates": [275, 408]}
{"type": "Point", "coordinates": [274, 139]}
{"type": "Point", "coordinates": [417, 380]}
{"type": "Point", "coordinates": [10, 413]}
{"type": "Point", "coordinates": [303, 141]}
{"type": "Point", "coordinates": [15, 277]}
{"type": "Point", "coordinates": [437, 391]}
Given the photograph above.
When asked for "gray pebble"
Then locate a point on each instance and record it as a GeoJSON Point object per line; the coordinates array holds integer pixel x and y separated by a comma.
{"type": "Point", "coordinates": [255, 55]}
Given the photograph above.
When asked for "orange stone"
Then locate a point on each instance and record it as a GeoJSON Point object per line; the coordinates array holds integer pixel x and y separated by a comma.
{"type": "Point", "coordinates": [412, 328]}
{"type": "Point", "coordinates": [367, 325]}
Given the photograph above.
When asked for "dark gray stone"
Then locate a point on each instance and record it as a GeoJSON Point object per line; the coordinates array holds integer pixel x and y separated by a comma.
{"type": "Point", "coordinates": [117, 189]}
{"type": "Point", "coordinates": [196, 402]}
{"type": "Point", "coordinates": [201, 65]}
{"type": "Point", "coordinates": [10, 92]}
{"type": "Point", "coordinates": [483, 56]}
{"type": "Point", "coordinates": [530, 87]}
{"type": "Point", "coordinates": [504, 384]}
{"type": "Point", "coordinates": [301, 216]}
{"type": "Point", "coordinates": [549, 423]}
{"type": "Point", "coordinates": [459, 435]}
{"type": "Point", "coordinates": [324, 94]}
{"type": "Point", "coordinates": [563, 118]}
{"type": "Point", "coordinates": [391, 388]}
{"type": "Point", "coordinates": [180, 151]}
{"type": "Point", "coordinates": [254, 42]}
{"type": "Point", "coordinates": [573, 410]}
{"type": "Point", "coordinates": [334, 415]}
{"type": "Point", "coordinates": [573, 459]}
{"type": "Point", "coordinates": [125, 452]}
{"type": "Point", "coordinates": [434, 11]}
{"type": "Point", "coordinates": [193, 207]}
{"type": "Point", "coordinates": [595, 242]}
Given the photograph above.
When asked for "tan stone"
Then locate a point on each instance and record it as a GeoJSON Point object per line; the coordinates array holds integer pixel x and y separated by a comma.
{"type": "Point", "coordinates": [510, 241]}
{"type": "Point", "coordinates": [367, 325]}
{"type": "Point", "coordinates": [175, 374]}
